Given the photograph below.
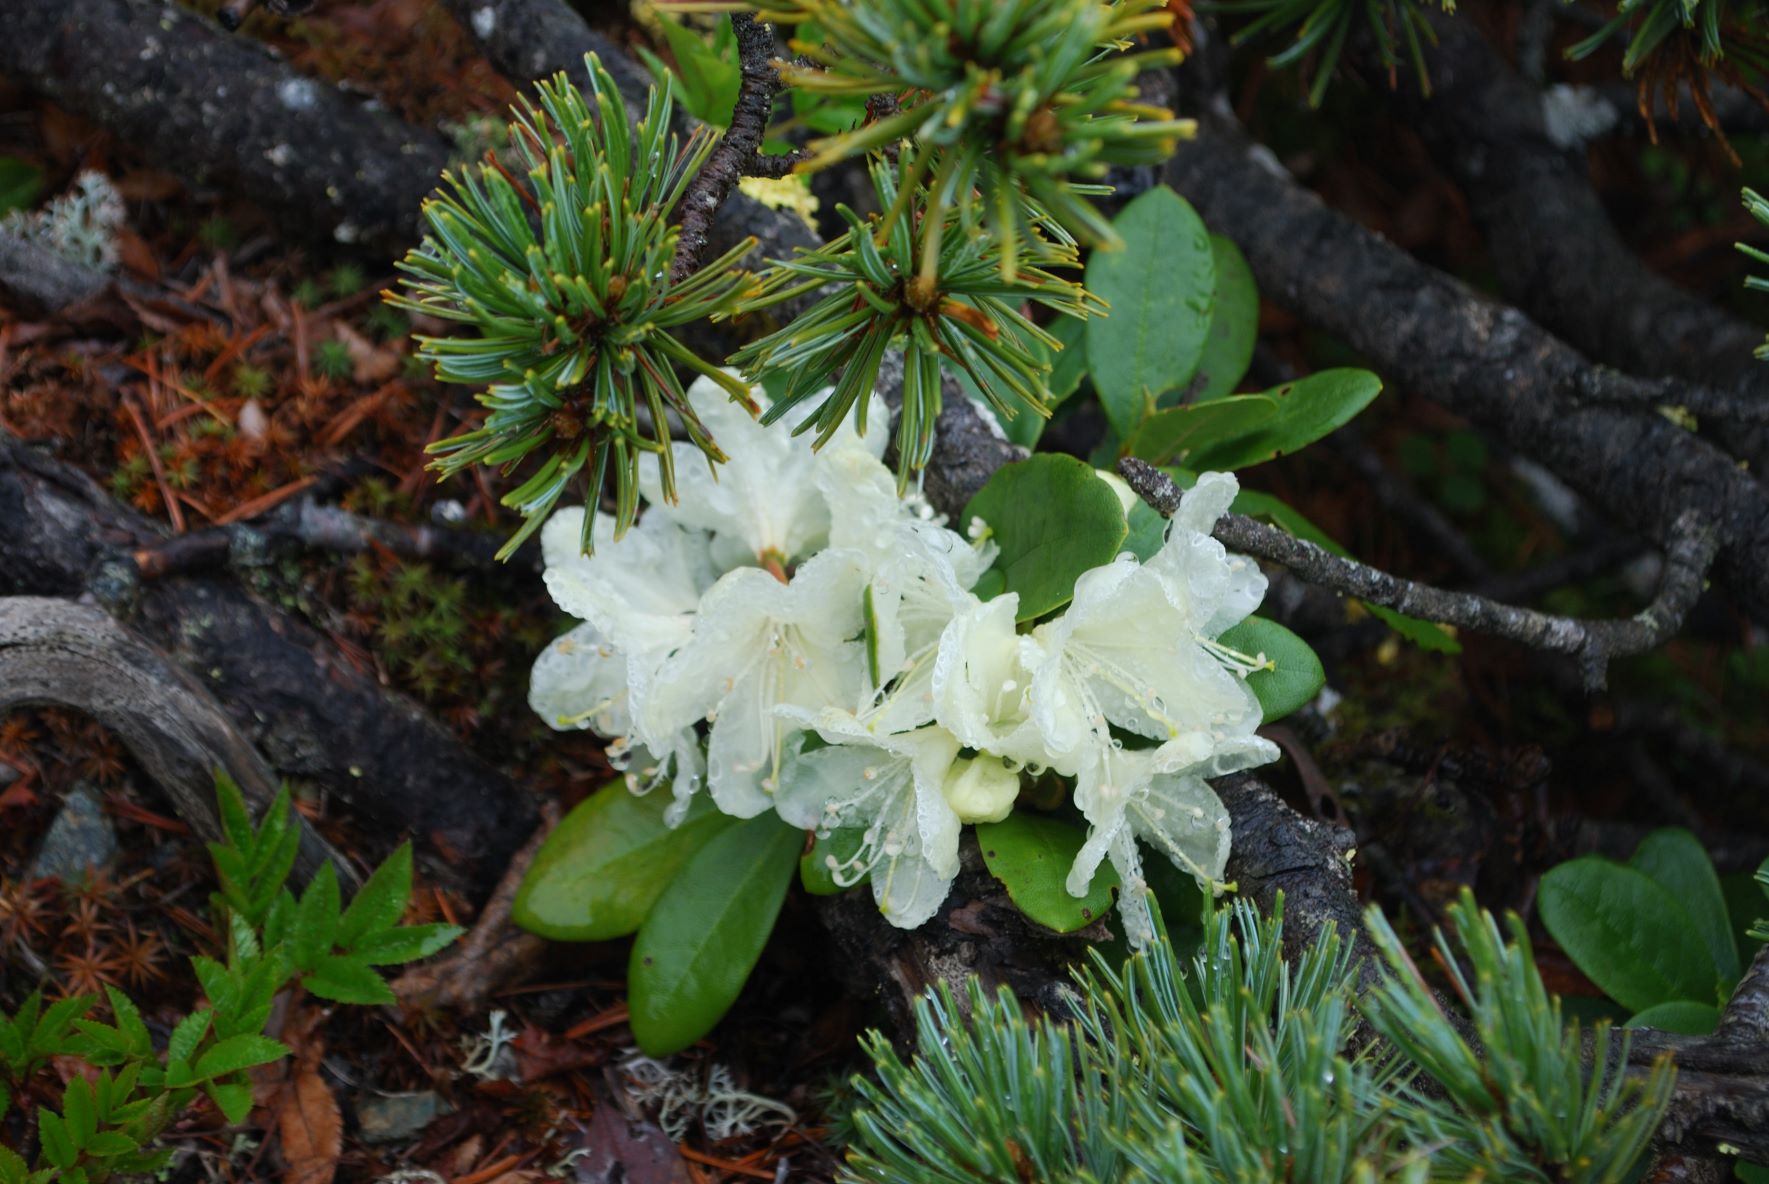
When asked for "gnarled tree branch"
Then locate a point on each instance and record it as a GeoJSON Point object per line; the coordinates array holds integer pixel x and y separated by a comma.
{"type": "Point", "coordinates": [1594, 643]}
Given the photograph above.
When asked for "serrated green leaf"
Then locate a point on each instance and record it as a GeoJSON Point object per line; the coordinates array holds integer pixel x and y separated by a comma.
{"type": "Point", "coordinates": [129, 1022]}
{"type": "Point", "coordinates": [79, 1111]}
{"type": "Point", "coordinates": [49, 1034]}
{"type": "Point", "coordinates": [58, 1144]}
{"type": "Point", "coordinates": [407, 944]}
{"type": "Point", "coordinates": [1682, 1016]}
{"type": "Point", "coordinates": [110, 1145]}
{"type": "Point", "coordinates": [315, 927]}
{"type": "Point", "coordinates": [1053, 519]}
{"type": "Point", "coordinates": [1627, 934]}
{"type": "Point", "coordinates": [187, 1035]}
{"type": "Point", "coordinates": [347, 980]}
{"type": "Point", "coordinates": [1680, 864]}
{"type": "Point", "coordinates": [234, 1101]}
{"type": "Point", "coordinates": [239, 1052]}
{"type": "Point", "coordinates": [703, 937]}
{"type": "Point", "coordinates": [1031, 855]}
{"type": "Point", "coordinates": [606, 863]}
{"type": "Point", "coordinates": [381, 901]}
{"type": "Point", "coordinates": [236, 820]}
{"type": "Point", "coordinates": [1296, 676]}
{"type": "Point", "coordinates": [1161, 291]}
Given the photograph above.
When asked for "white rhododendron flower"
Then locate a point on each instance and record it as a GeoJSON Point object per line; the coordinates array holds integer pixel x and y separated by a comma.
{"type": "Point", "coordinates": [982, 682]}
{"type": "Point", "coordinates": [1124, 654]}
{"type": "Point", "coordinates": [796, 637]}
{"type": "Point", "coordinates": [1215, 589]}
{"type": "Point", "coordinates": [891, 786]}
{"type": "Point", "coordinates": [759, 645]}
{"type": "Point", "coordinates": [1158, 795]}
{"type": "Point", "coordinates": [763, 505]}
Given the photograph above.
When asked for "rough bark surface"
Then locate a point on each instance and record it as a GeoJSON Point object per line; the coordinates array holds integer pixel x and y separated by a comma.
{"type": "Point", "coordinates": [291, 694]}
{"type": "Point", "coordinates": [1550, 240]}
{"type": "Point", "coordinates": [1430, 334]}
{"type": "Point", "coordinates": [57, 653]}
{"type": "Point", "coordinates": [217, 106]}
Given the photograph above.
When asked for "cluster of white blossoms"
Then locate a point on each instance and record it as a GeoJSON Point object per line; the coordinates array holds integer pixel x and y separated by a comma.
{"type": "Point", "coordinates": [794, 594]}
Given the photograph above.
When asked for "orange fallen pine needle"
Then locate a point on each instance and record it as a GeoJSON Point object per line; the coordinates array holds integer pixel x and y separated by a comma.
{"type": "Point", "coordinates": [613, 1016]}
{"type": "Point", "coordinates": [490, 1171]}
{"type": "Point", "coordinates": [263, 502]}
{"type": "Point", "coordinates": [153, 461]}
{"type": "Point", "coordinates": [724, 1165]}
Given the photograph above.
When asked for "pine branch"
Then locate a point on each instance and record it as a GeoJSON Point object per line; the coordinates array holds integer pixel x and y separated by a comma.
{"type": "Point", "coordinates": [739, 152]}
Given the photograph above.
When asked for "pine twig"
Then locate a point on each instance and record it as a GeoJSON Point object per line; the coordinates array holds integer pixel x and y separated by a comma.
{"type": "Point", "coordinates": [1693, 546]}
{"type": "Point", "coordinates": [739, 150]}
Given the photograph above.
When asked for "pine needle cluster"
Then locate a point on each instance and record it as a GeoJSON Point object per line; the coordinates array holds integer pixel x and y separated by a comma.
{"type": "Point", "coordinates": [1235, 1066]}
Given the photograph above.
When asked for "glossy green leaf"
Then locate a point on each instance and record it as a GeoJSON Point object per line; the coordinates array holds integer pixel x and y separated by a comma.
{"type": "Point", "coordinates": [1031, 855]}
{"type": "Point", "coordinates": [1234, 326]}
{"type": "Point", "coordinates": [840, 845]}
{"type": "Point", "coordinates": [1628, 935]}
{"type": "Point", "coordinates": [1053, 519]}
{"type": "Point", "coordinates": [1307, 409]}
{"type": "Point", "coordinates": [696, 949]}
{"type": "Point", "coordinates": [606, 863]}
{"type": "Point", "coordinates": [20, 183]}
{"type": "Point", "coordinates": [1161, 291]}
{"type": "Point", "coordinates": [1295, 676]}
{"type": "Point", "coordinates": [1681, 1015]}
{"type": "Point", "coordinates": [1178, 434]}
{"type": "Point", "coordinates": [1677, 860]}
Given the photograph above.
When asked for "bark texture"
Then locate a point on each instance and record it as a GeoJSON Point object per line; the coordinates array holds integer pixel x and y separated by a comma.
{"type": "Point", "coordinates": [220, 107]}
{"type": "Point", "coordinates": [57, 653]}
{"type": "Point", "coordinates": [1430, 334]}
{"type": "Point", "coordinates": [286, 688]}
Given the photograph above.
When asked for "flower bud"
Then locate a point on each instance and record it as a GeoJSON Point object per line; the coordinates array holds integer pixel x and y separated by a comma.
{"type": "Point", "coordinates": [981, 789]}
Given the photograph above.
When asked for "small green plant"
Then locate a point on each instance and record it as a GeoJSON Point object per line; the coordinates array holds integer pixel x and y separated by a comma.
{"type": "Point", "coordinates": [1240, 1067]}
{"type": "Point", "coordinates": [105, 1125]}
{"type": "Point", "coordinates": [346, 279]}
{"type": "Point", "coordinates": [332, 359]}
{"type": "Point", "coordinates": [1654, 933]}
{"type": "Point", "coordinates": [308, 293]}
{"type": "Point", "coordinates": [1759, 209]}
